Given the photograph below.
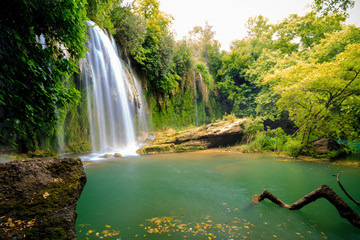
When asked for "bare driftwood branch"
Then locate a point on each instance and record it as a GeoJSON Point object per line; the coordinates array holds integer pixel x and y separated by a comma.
{"type": "Point", "coordinates": [324, 191]}
{"type": "Point", "coordinates": [342, 188]}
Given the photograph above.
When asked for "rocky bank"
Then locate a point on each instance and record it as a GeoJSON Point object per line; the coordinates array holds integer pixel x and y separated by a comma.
{"type": "Point", "coordinates": [214, 135]}
{"type": "Point", "coordinates": [38, 198]}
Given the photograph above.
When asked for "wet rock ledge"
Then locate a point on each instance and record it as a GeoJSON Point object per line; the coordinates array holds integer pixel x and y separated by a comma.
{"type": "Point", "coordinates": [38, 198]}
{"type": "Point", "coordinates": [219, 134]}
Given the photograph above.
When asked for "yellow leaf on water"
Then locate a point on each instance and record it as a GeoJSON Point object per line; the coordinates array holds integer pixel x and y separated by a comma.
{"type": "Point", "coordinates": [274, 236]}
{"type": "Point", "coordinates": [298, 233]}
{"type": "Point", "coordinates": [108, 226]}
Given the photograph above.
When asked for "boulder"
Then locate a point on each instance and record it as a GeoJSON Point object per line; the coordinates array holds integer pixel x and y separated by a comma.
{"type": "Point", "coordinates": [325, 146]}
{"type": "Point", "coordinates": [38, 198]}
{"type": "Point", "coordinates": [214, 135]}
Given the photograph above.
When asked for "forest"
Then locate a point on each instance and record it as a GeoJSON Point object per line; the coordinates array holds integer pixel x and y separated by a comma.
{"type": "Point", "coordinates": [297, 79]}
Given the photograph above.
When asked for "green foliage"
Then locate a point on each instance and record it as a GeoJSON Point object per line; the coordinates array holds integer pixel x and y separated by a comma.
{"type": "Point", "coordinates": [77, 147]}
{"type": "Point", "coordinates": [309, 29]}
{"type": "Point", "coordinates": [40, 43]}
{"type": "Point", "coordinates": [178, 110]}
{"type": "Point", "coordinates": [182, 58]}
{"type": "Point", "coordinates": [157, 49]}
{"type": "Point", "coordinates": [130, 31]}
{"type": "Point", "coordinates": [235, 91]}
{"type": "Point", "coordinates": [230, 117]}
{"type": "Point", "coordinates": [293, 147]}
{"type": "Point", "coordinates": [207, 77]}
{"type": "Point", "coordinates": [276, 139]}
{"type": "Point", "coordinates": [332, 6]}
{"type": "Point", "coordinates": [316, 105]}
{"type": "Point", "coordinates": [100, 12]}
{"type": "Point", "coordinates": [252, 128]}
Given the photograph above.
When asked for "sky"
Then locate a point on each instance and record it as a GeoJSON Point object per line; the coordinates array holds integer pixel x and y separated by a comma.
{"type": "Point", "coordinates": [228, 17]}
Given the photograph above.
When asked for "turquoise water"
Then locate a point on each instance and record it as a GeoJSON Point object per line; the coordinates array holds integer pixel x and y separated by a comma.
{"type": "Point", "coordinates": [208, 195]}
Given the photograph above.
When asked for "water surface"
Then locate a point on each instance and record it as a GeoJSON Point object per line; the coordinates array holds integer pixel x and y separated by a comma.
{"type": "Point", "coordinates": [208, 195]}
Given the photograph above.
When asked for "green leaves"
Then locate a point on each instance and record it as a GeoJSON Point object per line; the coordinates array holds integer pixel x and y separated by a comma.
{"type": "Point", "coordinates": [318, 95]}
{"type": "Point", "coordinates": [42, 42]}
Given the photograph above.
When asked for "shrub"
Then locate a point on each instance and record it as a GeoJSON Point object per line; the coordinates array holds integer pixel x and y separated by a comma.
{"type": "Point", "coordinates": [230, 117]}
{"type": "Point", "coordinates": [292, 147]}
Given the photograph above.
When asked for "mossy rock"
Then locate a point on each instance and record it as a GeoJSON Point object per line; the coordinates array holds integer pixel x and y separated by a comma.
{"type": "Point", "coordinates": [40, 154]}
{"type": "Point", "coordinates": [188, 148]}
{"type": "Point", "coordinates": [156, 149]}
{"type": "Point", "coordinates": [39, 198]}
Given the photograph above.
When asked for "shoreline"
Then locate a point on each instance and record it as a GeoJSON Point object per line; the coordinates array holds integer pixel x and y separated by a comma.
{"type": "Point", "coordinates": [234, 150]}
{"type": "Point", "coordinates": [303, 158]}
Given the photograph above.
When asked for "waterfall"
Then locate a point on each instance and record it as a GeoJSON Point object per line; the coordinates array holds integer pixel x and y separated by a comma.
{"type": "Point", "coordinates": [196, 107]}
{"type": "Point", "coordinates": [113, 95]}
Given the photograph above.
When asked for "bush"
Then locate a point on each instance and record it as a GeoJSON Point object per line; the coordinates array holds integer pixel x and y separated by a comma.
{"type": "Point", "coordinates": [252, 127]}
{"type": "Point", "coordinates": [276, 139]}
{"type": "Point", "coordinates": [260, 141]}
{"type": "Point", "coordinates": [292, 147]}
{"type": "Point", "coordinates": [231, 117]}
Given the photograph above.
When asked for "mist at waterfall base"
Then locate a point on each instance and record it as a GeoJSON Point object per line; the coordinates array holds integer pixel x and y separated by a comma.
{"type": "Point", "coordinates": [116, 106]}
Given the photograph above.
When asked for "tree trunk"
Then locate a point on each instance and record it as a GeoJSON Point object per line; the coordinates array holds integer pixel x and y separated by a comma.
{"type": "Point", "coordinates": [324, 191]}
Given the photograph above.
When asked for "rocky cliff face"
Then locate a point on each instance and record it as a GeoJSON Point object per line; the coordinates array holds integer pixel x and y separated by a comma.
{"type": "Point", "coordinates": [223, 133]}
{"type": "Point", "coordinates": [38, 198]}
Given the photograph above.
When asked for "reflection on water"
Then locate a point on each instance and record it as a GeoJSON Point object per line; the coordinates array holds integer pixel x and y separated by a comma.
{"type": "Point", "coordinates": [207, 196]}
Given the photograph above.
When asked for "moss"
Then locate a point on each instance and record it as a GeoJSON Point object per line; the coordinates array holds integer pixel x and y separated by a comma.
{"type": "Point", "coordinates": [78, 147]}
{"type": "Point", "coordinates": [188, 148]}
{"type": "Point", "coordinates": [40, 154]}
{"type": "Point", "coordinates": [157, 149]}
{"type": "Point", "coordinates": [57, 234]}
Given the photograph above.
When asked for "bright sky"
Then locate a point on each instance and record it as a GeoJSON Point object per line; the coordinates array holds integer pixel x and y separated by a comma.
{"type": "Point", "coordinates": [228, 17]}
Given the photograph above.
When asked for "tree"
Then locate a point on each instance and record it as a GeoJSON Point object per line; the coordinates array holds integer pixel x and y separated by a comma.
{"type": "Point", "coordinates": [40, 43]}
{"type": "Point", "coordinates": [157, 48]}
{"type": "Point", "coordinates": [100, 12]}
{"type": "Point", "coordinates": [325, 7]}
{"type": "Point", "coordinates": [235, 91]}
{"type": "Point", "coordinates": [204, 46]}
{"type": "Point", "coordinates": [319, 96]}
{"type": "Point", "coordinates": [182, 58]}
{"type": "Point", "coordinates": [308, 29]}
{"type": "Point", "coordinates": [130, 31]}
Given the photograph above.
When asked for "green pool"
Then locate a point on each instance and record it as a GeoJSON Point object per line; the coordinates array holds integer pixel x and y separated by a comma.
{"type": "Point", "coordinates": [208, 195]}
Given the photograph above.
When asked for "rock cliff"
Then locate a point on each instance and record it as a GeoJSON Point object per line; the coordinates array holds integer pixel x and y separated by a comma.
{"type": "Point", "coordinates": [38, 198]}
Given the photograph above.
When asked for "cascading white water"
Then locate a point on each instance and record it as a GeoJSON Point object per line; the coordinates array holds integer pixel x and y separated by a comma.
{"type": "Point", "coordinates": [113, 95]}
{"type": "Point", "coordinates": [196, 107]}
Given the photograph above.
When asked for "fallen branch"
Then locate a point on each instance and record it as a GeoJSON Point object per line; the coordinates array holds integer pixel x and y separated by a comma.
{"type": "Point", "coordinates": [342, 188]}
{"type": "Point", "coordinates": [324, 191]}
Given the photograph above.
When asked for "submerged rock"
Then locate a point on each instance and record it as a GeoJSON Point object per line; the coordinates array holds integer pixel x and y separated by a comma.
{"type": "Point", "coordinates": [38, 198]}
